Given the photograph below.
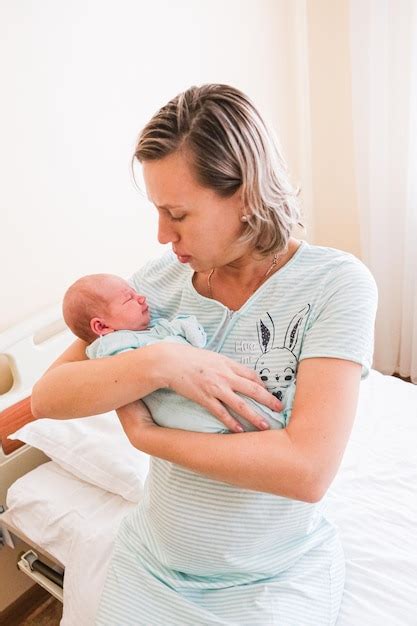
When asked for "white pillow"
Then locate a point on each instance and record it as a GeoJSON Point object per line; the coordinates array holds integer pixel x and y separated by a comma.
{"type": "Point", "coordinates": [94, 449]}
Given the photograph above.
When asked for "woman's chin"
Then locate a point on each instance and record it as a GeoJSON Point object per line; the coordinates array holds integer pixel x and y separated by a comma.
{"type": "Point", "coordinates": [199, 266]}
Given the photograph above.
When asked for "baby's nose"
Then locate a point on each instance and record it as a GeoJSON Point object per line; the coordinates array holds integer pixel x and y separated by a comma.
{"type": "Point", "coordinates": [140, 299]}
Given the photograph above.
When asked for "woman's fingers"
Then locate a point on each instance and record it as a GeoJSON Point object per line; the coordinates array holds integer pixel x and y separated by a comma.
{"type": "Point", "coordinates": [246, 372]}
{"type": "Point", "coordinates": [263, 396]}
{"type": "Point", "coordinates": [219, 410]}
{"type": "Point", "coordinates": [242, 408]}
{"type": "Point", "coordinates": [216, 382]}
{"type": "Point", "coordinates": [220, 400]}
{"type": "Point", "coordinates": [239, 406]}
{"type": "Point", "coordinates": [258, 392]}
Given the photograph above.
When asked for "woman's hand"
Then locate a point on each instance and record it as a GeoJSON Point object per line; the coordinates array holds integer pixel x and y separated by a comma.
{"type": "Point", "coordinates": [135, 418]}
{"type": "Point", "coordinates": [213, 380]}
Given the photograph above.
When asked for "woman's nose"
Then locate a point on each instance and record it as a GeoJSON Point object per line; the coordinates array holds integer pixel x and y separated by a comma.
{"type": "Point", "coordinates": [166, 233]}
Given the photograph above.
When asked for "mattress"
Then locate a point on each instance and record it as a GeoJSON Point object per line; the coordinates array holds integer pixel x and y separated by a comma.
{"type": "Point", "coordinates": [373, 502]}
{"type": "Point", "coordinates": [76, 523]}
{"type": "Point", "coordinates": [52, 507]}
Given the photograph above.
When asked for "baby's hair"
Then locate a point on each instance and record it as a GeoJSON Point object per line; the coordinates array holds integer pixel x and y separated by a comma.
{"type": "Point", "coordinates": [83, 301]}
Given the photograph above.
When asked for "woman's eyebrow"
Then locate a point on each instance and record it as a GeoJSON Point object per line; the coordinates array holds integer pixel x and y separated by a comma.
{"type": "Point", "coordinates": [169, 206]}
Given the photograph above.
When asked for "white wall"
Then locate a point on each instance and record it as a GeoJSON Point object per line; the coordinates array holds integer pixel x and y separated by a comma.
{"type": "Point", "coordinates": [79, 80]}
{"type": "Point", "coordinates": [334, 197]}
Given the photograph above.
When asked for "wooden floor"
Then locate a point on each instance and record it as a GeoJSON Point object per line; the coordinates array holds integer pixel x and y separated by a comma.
{"type": "Point", "coordinates": [48, 614]}
{"type": "Point", "coordinates": [35, 608]}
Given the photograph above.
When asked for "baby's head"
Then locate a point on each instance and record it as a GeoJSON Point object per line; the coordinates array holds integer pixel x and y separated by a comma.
{"type": "Point", "coordinates": [99, 304]}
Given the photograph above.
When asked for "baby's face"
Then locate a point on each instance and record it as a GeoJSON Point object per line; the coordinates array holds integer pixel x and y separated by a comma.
{"type": "Point", "coordinates": [127, 310]}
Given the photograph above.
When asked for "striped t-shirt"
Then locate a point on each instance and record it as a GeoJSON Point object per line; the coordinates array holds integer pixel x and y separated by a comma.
{"type": "Point", "coordinates": [192, 534]}
{"type": "Point", "coordinates": [322, 303]}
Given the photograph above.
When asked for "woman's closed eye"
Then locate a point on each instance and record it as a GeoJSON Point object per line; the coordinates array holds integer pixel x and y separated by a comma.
{"type": "Point", "coordinates": [177, 219]}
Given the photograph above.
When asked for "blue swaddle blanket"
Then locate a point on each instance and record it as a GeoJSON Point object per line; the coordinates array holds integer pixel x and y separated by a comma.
{"type": "Point", "coordinates": [167, 407]}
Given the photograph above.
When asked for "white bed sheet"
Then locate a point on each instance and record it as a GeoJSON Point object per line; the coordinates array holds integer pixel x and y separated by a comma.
{"type": "Point", "coordinates": [76, 522]}
{"type": "Point", "coordinates": [56, 510]}
{"type": "Point", "coordinates": [49, 505]}
{"type": "Point", "coordinates": [373, 501]}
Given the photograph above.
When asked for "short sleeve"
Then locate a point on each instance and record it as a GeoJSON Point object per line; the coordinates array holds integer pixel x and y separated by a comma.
{"type": "Point", "coordinates": [342, 322]}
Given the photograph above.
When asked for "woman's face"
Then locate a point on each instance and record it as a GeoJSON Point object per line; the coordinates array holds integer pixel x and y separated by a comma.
{"type": "Point", "coordinates": [201, 226]}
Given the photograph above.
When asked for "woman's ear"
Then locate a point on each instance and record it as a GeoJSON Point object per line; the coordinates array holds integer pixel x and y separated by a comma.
{"type": "Point", "coordinates": [99, 327]}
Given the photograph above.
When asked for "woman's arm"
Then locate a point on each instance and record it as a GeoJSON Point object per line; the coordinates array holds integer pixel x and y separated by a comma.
{"type": "Point", "coordinates": [76, 387]}
{"type": "Point", "coordinates": [298, 462]}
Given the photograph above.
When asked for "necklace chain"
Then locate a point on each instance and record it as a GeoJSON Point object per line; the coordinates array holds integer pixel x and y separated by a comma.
{"type": "Point", "coordinates": [269, 270]}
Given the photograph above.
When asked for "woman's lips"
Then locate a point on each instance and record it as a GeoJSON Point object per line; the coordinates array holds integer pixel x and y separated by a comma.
{"type": "Point", "coordinates": [182, 258]}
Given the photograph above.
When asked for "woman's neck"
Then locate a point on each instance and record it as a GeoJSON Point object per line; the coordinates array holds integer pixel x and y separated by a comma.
{"type": "Point", "coordinates": [246, 271]}
{"type": "Point", "coordinates": [234, 283]}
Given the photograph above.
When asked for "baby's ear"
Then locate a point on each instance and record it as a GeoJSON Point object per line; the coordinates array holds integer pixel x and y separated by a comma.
{"type": "Point", "coordinates": [99, 327]}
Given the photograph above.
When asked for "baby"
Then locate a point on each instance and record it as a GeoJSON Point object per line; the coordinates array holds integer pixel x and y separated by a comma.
{"type": "Point", "coordinates": [107, 313]}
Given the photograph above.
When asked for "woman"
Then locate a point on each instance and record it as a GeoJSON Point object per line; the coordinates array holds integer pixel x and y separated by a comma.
{"type": "Point", "coordinates": [231, 527]}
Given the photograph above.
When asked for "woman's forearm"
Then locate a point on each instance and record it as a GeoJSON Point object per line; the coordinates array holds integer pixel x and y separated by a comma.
{"type": "Point", "coordinates": [262, 461]}
{"type": "Point", "coordinates": [89, 387]}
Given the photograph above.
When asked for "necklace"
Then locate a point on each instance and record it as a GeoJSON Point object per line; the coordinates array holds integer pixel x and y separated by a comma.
{"type": "Point", "coordinates": [269, 270]}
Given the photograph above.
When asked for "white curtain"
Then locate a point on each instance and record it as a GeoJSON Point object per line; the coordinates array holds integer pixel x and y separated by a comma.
{"type": "Point", "coordinates": [383, 37]}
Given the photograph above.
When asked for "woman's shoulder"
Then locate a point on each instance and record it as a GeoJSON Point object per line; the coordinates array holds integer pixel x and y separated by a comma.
{"type": "Point", "coordinates": [328, 255]}
{"type": "Point", "coordinates": [333, 264]}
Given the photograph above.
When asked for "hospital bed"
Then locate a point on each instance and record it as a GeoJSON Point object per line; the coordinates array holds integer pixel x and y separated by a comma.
{"type": "Point", "coordinates": [66, 485]}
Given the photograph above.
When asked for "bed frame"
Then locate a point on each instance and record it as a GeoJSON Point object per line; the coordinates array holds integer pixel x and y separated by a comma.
{"type": "Point", "coordinates": [26, 351]}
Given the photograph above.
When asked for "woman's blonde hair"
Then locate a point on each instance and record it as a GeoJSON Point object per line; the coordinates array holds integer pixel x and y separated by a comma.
{"type": "Point", "coordinates": [231, 148]}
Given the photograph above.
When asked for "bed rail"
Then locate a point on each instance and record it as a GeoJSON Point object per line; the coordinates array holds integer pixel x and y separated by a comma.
{"type": "Point", "coordinates": [29, 349]}
{"type": "Point", "coordinates": [30, 564]}
{"type": "Point", "coordinates": [26, 351]}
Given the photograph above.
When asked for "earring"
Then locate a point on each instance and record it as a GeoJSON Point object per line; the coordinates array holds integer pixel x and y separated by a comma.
{"type": "Point", "coordinates": [244, 218]}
